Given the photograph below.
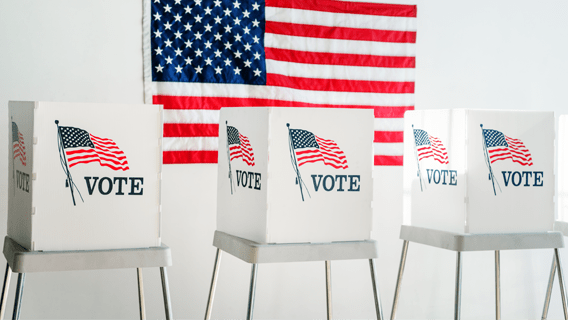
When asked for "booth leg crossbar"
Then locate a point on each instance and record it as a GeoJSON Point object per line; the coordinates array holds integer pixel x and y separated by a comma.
{"type": "Point", "coordinates": [256, 253]}
{"type": "Point", "coordinates": [483, 242]}
{"type": "Point", "coordinates": [22, 261]}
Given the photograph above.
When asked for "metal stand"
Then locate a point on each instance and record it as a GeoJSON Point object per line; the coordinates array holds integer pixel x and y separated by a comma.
{"type": "Point", "coordinates": [256, 253]}
{"type": "Point", "coordinates": [457, 303]}
{"type": "Point", "coordinates": [556, 265]}
{"type": "Point", "coordinates": [22, 261]}
{"type": "Point", "coordinates": [328, 288]}
{"type": "Point", "coordinates": [479, 242]}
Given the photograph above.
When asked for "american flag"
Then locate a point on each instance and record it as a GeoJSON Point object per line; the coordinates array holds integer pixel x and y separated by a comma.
{"type": "Point", "coordinates": [311, 148]}
{"type": "Point", "coordinates": [201, 55]}
{"type": "Point", "coordinates": [428, 146]}
{"type": "Point", "coordinates": [239, 146]}
{"type": "Point", "coordinates": [18, 146]}
{"type": "Point", "coordinates": [82, 147]}
{"type": "Point", "coordinates": [501, 147]}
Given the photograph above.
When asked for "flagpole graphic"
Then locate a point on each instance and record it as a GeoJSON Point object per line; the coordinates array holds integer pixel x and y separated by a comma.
{"type": "Point", "coordinates": [229, 158]}
{"type": "Point", "coordinates": [63, 159]}
{"type": "Point", "coordinates": [299, 180]}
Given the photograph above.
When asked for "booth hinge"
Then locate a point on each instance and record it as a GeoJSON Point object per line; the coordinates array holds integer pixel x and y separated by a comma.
{"type": "Point", "coordinates": [34, 176]}
{"type": "Point", "coordinates": [33, 211]}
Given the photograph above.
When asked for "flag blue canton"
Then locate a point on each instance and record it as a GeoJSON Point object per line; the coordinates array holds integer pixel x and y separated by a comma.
{"type": "Point", "coordinates": [303, 139]}
{"type": "Point", "coordinates": [233, 135]}
{"type": "Point", "coordinates": [214, 41]}
{"type": "Point", "coordinates": [494, 138]}
{"type": "Point", "coordinates": [421, 138]}
{"type": "Point", "coordinates": [15, 133]}
{"type": "Point", "coordinates": [75, 137]}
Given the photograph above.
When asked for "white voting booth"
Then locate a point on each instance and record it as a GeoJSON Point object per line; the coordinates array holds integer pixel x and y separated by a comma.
{"type": "Point", "coordinates": [561, 225]}
{"type": "Point", "coordinates": [479, 180]}
{"type": "Point", "coordinates": [295, 174]}
{"type": "Point", "coordinates": [563, 168]}
{"type": "Point", "coordinates": [84, 176]}
{"type": "Point", "coordinates": [477, 171]}
{"type": "Point", "coordinates": [295, 184]}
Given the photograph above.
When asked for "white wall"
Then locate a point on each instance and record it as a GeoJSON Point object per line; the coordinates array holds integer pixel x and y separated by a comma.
{"type": "Point", "coordinates": [471, 54]}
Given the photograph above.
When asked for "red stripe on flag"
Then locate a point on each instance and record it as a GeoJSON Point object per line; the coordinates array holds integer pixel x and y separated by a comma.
{"type": "Point", "coordinates": [388, 136]}
{"type": "Point", "coordinates": [191, 130]}
{"type": "Point", "coordinates": [171, 157]}
{"type": "Point", "coordinates": [388, 160]}
{"type": "Point", "coordinates": [343, 59]}
{"type": "Point", "coordinates": [339, 85]}
{"type": "Point", "coordinates": [391, 112]}
{"type": "Point", "coordinates": [325, 32]}
{"type": "Point", "coordinates": [376, 9]}
{"type": "Point", "coordinates": [215, 103]}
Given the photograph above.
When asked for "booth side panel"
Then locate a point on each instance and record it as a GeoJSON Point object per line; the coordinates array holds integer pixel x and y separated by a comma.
{"type": "Point", "coordinates": [20, 177]}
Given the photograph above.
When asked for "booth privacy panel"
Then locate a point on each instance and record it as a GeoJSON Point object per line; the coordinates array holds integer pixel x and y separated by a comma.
{"type": "Point", "coordinates": [91, 175]}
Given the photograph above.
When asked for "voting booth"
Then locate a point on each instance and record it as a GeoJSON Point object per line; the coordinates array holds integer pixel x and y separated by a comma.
{"type": "Point", "coordinates": [295, 174]}
{"type": "Point", "coordinates": [84, 176]}
{"type": "Point", "coordinates": [479, 171]}
{"type": "Point", "coordinates": [563, 168]}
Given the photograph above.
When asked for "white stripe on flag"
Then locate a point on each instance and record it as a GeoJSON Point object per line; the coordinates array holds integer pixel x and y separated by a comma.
{"type": "Point", "coordinates": [191, 116]}
{"type": "Point", "coordinates": [389, 124]}
{"type": "Point", "coordinates": [339, 46]}
{"type": "Point", "coordinates": [191, 144]}
{"type": "Point", "coordinates": [332, 19]}
{"type": "Point", "coordinates": [388, 149]}
{"type": "Point", "coordinates": [322, 71]}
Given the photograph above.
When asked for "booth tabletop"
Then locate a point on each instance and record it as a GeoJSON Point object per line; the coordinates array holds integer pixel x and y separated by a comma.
{"type": "Point", "coordinates": [483, 241]}
{"type": "Point", "coordinates": [253, 252]}
{"type": "Point", "coordinates": [22, 260]}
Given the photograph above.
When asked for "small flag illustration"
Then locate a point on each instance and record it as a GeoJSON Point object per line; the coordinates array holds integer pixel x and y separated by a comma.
{"type": "Point", "coordinates": [428, 146]}
{"type": "Point", "coordinates": [310, 148]}
{"type": "Point", "coordinates": [18, 146]}
{"type": "Point", "coordinates": [82, 147]}
{"type": "Point", "coordinates": [501, 147]}
{"type": "Point", "coordinates": [239, 146]}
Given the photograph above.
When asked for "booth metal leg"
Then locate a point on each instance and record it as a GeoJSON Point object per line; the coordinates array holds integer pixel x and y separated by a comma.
{"type": "Point", "coordinates": [141, 294]}
{"type": "Point", "coordinates": [5, 288]}
{"type": "Point", "coordinates": [213, 285]}
{"type": "Point", "coordinates": [19, 294]}
{"type": "Point", "coordinates": [378, 307]}
{"type": "Point", "coordinates": [561, 281]}
{"type": "Point", "coordinates": [252, 290]}
{"type": "Point", "coordinates": [457, 305]}
{"type": "Point", "coordinates": [166, 292]}
{"type": "Point", "coordinates": [549, 289]}
{"type": "Point", "coordinates": [328, 289]}
{"type": "Point", "coordinates": [497, 285]}
{"type": "Point", "coordinates": [399, 279]}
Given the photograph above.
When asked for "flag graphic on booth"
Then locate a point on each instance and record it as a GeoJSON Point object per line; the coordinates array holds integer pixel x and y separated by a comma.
{"type": "Point", "coordinates": [306, 147]}
{"type": "Point", "coordinates": [239, 146]}
{"type": "Point", "coordinates": [78, 146]}
{"type": "Point", "coordinates": [497, 146]}
{"type": "Point", "coordinates": [18, 146]}
{"type": "Point", "coordinates": [427, 146]}
{"type": "Point", "coordinates": [201, 55]}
